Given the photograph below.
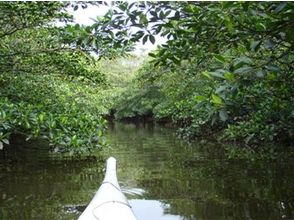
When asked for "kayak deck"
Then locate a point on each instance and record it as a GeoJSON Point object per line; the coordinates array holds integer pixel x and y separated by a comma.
{"type": "Point", "coordinates": [109, 203]}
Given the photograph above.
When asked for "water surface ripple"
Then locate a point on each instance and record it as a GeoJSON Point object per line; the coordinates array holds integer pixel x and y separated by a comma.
{"type": "Point", "coordinates": [163, 178]}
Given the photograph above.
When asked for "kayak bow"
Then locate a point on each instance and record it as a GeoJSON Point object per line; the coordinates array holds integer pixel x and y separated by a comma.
{"type": "Point", "coordinates": [109, 203]}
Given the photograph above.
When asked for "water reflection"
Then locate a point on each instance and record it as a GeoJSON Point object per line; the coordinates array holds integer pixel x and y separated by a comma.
{"type": "Point", "coordinates": [165, 179]}
{"type": "Point", "coordinates": [197, 182]}
{"type": "Point", "coordinates": [35, 185]}
{"type": "Point", "coordinates": [152, 209]}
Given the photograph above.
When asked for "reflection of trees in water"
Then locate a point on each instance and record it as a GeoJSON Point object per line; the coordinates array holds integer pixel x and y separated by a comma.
{"type": "Point", "coordinates": [33, 185]}
{"type": "Point", "coordinates": [218, 189]}
{"type": "Point", "coordinates": [196, 183]}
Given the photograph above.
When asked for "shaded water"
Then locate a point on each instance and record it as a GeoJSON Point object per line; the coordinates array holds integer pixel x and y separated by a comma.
{"type": "Point", "coordinates": [163, 178]}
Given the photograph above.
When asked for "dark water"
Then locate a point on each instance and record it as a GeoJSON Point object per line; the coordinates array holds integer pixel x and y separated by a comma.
{"type": "Point", "coordinates": [163, 178]}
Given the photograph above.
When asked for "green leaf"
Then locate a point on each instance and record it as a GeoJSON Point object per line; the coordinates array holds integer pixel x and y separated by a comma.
{"type": "Point", "coordinates": [223, 115]}
{"type": "Point", "coordinates": [216, 74]}
{"type": "Point", "coordinates": [177, 15]}
{"type": "Point", "coordinates": [152, 55]}
{"type": "Point", "coordinates": [175, 60]}
{"type": "Point", "coordinates": [219, 58]}
{"type": "Point", "coordinates": [200, 98]}
{"type": "Point", "coordinates": [216, 99]}
{"type": "Point", "coordinates": [138, 35]}
{"type": "Point", "coordinates": [280, 7]}
{"type": "Point", "coordinates": [152, 39]}
{"type": "Point", "coordinates": [243, 70]}
{"type": "Point", "coordinates": [5, 141]}
{"type": "Point", "coordinates": [271, 76]}
{"type": "Point", "coordinates": [3, 114]}
{"type": "Point", "coordinates": [229, 24]}
{"type": "Point", "coordinates": [255, 45]}
{"type": "Point", "coordinates": [242, 61]}
{"type": "Point", "coordinates": [229, 76]}
{"type": "Point", "coordinates": [273, 68]}
{"type": "Point", "coordinates": [143, 19]}
{"type": "Point", "coordinates": [245, 60]}
{"type": "Point", "coordinates": [161, 15]}
{"type": "Point", "coordinates": [122, 6]}
{"type": "Point", "coordinates": [153, 13]}
{"type": "Point", "coordinates": [221, 89]}
{"type": "Point", "coordinates": [260, 26]}
{"type": "Point", "coordinates": [167, 13]}
{"type": "Point", "coordinates": [145, 38]}
{"type": "Point", "coordinates": [206, 73]}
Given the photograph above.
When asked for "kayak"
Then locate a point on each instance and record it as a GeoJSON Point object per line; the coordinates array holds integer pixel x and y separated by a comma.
{"type": "Point", "coordinates": [109, 203]}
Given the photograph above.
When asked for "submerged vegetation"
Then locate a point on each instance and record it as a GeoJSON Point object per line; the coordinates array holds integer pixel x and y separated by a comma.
{"type": "Point", "coordinates": [225, 71]}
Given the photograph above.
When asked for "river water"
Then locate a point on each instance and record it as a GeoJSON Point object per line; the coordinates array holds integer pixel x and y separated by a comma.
{"type": "Point", "coordinates": [163, 178]}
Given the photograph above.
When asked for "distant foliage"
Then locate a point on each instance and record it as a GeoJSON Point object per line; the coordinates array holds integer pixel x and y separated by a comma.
{"type": "Point", "coordinates": [140, 97]}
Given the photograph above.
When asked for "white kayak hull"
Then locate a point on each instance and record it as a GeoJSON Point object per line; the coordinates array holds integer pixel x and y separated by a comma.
{"type": "Point", "coordinates": [109, 203]}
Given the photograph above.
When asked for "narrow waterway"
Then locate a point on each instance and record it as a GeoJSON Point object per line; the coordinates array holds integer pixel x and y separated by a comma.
{"type": "Point", "coordinates": [164, 179]}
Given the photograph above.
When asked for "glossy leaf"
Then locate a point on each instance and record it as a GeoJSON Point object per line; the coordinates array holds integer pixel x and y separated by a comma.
{"type": "Point", "coordinates": [216, 99]}
{"type": "Point", "coordinates": [152, 39]}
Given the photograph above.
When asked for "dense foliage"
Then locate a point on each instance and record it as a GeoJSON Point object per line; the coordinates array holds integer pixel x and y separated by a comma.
{"type": "Point", "coordinates": [50, 85]}
{"type": "Point", "coordinates": [226, 68]}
